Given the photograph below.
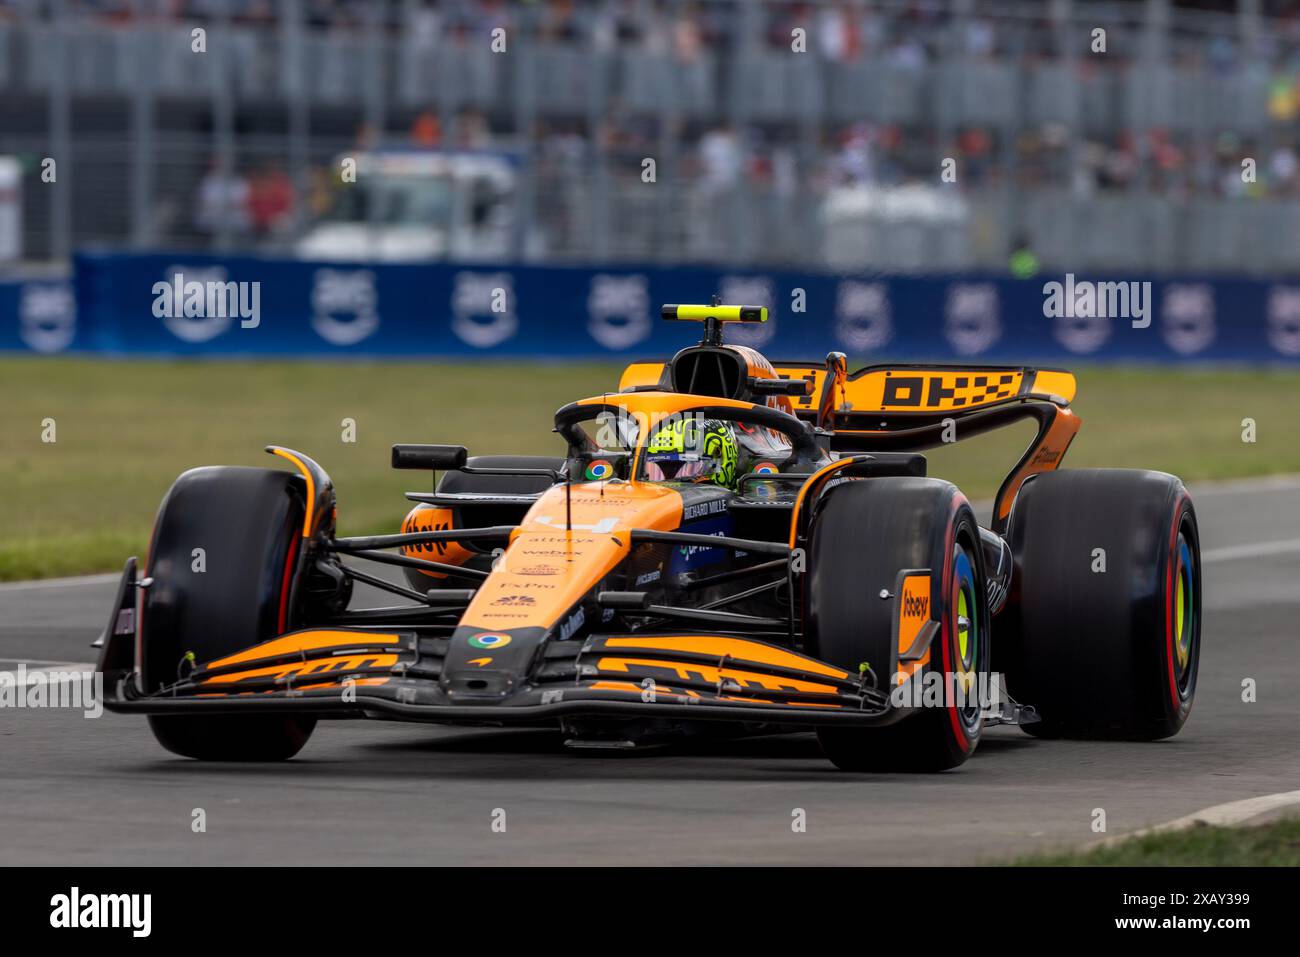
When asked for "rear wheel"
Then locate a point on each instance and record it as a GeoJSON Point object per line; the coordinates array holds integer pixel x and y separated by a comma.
{"type": "Point", "coordinates": [864, 535]}
{"type": "Point", "coordinates": [222, 561]}
{"type": "Point", "coordinates": [1104, 623]}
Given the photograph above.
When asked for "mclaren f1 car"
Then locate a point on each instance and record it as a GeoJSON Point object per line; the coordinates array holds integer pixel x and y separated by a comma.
{"type": "Point", "coordinates": [728, 544]}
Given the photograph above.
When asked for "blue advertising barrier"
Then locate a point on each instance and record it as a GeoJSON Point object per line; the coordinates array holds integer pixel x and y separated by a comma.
{"type": "Point", "coordinates": [37, 314]}
{"type": "Point", "coordinates": [167, 304]}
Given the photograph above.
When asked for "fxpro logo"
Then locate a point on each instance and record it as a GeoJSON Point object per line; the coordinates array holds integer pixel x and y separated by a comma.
{"type": "Point", "coordinates": [1084, 299]}
{"type": "Point", "coordinates": [197, 310]}
{"type": "Point", "coordinates": [93, 911]}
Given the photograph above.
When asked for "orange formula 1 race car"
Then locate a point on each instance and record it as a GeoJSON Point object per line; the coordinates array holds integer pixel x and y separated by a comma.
{"type": "Point", "coordinates": [729, 544]}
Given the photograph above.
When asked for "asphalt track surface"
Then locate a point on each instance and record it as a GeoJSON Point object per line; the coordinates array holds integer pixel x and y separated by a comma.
{"type": "Point", "coordinates": [75, 791]}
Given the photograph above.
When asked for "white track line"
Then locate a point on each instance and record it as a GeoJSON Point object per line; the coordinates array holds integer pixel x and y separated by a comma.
{"type": "Point", "coordinates": [61, 582]}
{"type": "Point", "coordinates": [31, 663]}
{"type": "Point", "coordinates": [1230, 553]}
{"type": "Point", "coordinates": [1259, 483]}
{"type": "Point", "coordinates": [1222, 815]}
{"type": "Point", "coordinates": [69, 670]}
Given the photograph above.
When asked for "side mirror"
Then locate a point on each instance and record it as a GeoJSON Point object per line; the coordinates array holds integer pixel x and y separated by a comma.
{"type": "Point", "coordinates": [429, 457]}
{"type": "Point", "coordinates": [781, 386]}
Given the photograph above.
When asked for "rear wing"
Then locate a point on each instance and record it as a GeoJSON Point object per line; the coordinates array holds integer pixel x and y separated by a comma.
{"type": "Point", "coordinates": [840, 400]}
{"type": "Point", "coordinates": [909, 408]}
{"type": "Point", "coordinates": [854, 400]}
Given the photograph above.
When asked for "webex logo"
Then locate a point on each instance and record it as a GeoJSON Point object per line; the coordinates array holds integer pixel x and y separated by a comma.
{"type": "Point", "coordinates": [77, 910]}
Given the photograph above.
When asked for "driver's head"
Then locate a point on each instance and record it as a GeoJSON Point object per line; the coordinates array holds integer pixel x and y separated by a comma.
{"type": "Point", "coordinates": [691, 449]}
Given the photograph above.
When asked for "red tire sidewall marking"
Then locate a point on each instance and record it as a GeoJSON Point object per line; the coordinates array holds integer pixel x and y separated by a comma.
{"type": "Point", "coordinates": [284, 585]}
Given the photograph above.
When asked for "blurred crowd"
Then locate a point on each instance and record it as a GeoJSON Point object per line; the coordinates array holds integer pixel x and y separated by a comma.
{"type": "Point", "coordinates": [907, 31]}
{"type": "Point", "coordinates": [257, 204]}
{"type": "Point", "coordinates": [787, 159]}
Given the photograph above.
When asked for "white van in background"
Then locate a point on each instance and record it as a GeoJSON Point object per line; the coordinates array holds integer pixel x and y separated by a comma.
{"type": "Point", "coordinates": [413, 205]}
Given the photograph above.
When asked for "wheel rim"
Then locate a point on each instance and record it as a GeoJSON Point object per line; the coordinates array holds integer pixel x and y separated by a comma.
{"type": "Point", "coordinates": [963, 631]}
{"type": "Point", "coordinates": [1184, 597]}
{"type": "Point", "coordinates": [966, 625]}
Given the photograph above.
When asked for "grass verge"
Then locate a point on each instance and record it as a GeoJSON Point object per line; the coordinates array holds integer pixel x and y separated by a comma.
{"type": "Point", "coordinates": [1272, 844]}
{"type": "Point", "coordinates": [125, 429]}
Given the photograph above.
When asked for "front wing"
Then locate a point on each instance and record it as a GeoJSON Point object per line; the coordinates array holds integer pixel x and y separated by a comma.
{"type": "Point", "coordinates": [397, 673]}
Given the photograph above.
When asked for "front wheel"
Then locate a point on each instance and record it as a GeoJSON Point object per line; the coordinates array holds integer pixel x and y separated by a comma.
{"type": "Point", "coordinates": [866, 534]}
{"type": "Point", "coordinates": [246, 524]}
{"type": "Point", "coordinates": [232, 737]}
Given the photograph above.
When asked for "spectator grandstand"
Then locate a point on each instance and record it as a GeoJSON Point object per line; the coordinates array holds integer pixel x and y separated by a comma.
{"type": "Point", "coordinates": [810, 134]}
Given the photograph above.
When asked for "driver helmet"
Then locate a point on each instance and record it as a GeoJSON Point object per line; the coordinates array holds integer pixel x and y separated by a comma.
{"type": "Point", "coordinates": [761, 442]}
{"type": "Point", "coordinates": [691, 449]}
